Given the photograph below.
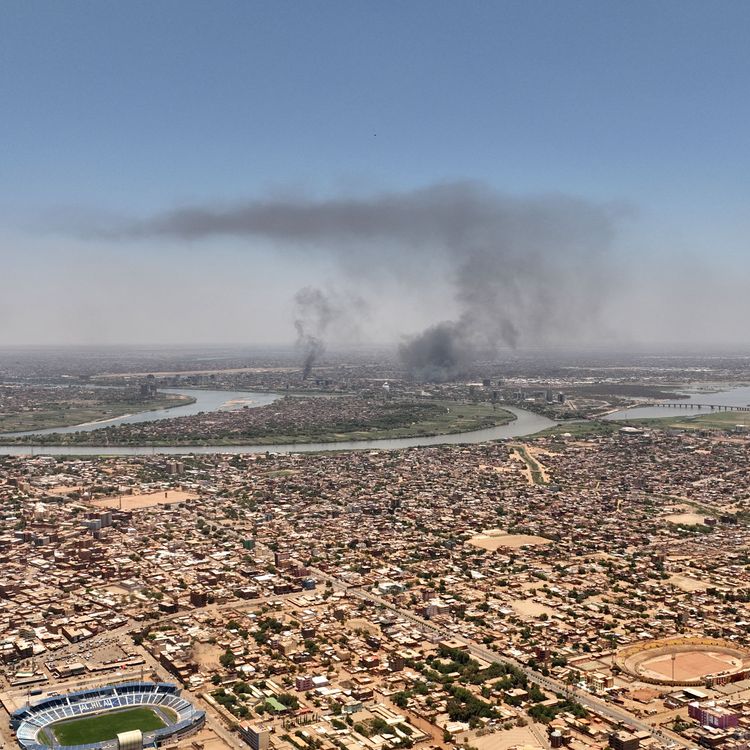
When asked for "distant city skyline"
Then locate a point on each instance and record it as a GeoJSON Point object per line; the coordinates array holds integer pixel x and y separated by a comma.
{"type": "Point", "coordinates": [121, 114]}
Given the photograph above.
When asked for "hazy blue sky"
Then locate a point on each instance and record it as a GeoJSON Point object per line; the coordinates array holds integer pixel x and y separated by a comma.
{"type": "Point", "coordinates": [112, 111]}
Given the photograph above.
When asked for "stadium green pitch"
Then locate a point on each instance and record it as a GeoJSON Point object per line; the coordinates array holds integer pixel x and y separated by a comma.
{"type": "Point", "coordinates": [105, 726]}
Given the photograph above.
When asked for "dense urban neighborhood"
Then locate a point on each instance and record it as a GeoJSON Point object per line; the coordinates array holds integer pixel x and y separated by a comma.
{"type": "Point", "coordinates": [562, 590]}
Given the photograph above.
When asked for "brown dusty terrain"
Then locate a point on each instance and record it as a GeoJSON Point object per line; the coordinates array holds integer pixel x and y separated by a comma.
{"type": "Point", "coordinates": [207, 655]}
{"type": "Point", "coordinates": [689, 665]}
{"type": "Point", "coordinates": [63, 489]}
{"type": "Point", "coordinates": [362, 624]}
{"type": "Point", "coordinates": [493, 539]}
{"type": "Point", "coordinates": [684, 583]}
{"type": "Point", "coordinates": [136, 502]}
{"type": "Point", "coordinates": [529, 608]}
{"type": "Point", "coordinates": [690, 519]}
{"type": "Point", "coordinates": [503, 740]}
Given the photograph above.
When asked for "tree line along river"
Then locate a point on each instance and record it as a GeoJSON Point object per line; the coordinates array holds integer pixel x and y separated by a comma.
{"type": "Point", "coordinates": [525, 423]}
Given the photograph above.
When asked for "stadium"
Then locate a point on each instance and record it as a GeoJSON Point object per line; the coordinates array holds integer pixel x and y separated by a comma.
{"type": "Point", "coordinates": [106, 718]}
{"type": "Point", "coordinates": [685, 661]}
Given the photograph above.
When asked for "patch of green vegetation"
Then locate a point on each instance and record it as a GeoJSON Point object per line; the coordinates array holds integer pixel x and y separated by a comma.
{"type": "Point", "coordinates": [399, 419]}
{"type": "Point", "coordinates": [680, 725]}
{"type": "Point", "coordinates": [685, 529]}
{"type": "Point", "coordinates": [106, 726]}
{"type": "Point", "coordinates": [720, 420]}
{"type": "Point", "coordinates": [66, 414]}
{"type": "Point", "coordinates": [231, 702]}
{"type": "Point", "coordinates": [545, 714]}
{"type": "Point", "coordinates": [465, 706]}
{"type": "Point", "coordinates": [452, 660]}
{"type": "Point", "coordinates": [421, 419]}
{"type": "Point", "coordinates": [536, 471]}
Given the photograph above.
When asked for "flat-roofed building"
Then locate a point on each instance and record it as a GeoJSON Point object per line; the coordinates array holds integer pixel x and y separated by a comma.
{"type": "Point", "coordinates": [257, 737]}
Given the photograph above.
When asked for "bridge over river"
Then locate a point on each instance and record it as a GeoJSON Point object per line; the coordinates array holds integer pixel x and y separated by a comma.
{"type": "Point", "coordinates": [693, 405]}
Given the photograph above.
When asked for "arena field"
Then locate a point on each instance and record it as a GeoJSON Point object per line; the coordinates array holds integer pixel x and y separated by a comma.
{"type": "Point", "coordinates": [105, 726]}
{"type": "Point", "coordinates": [683, 661]}
{"type": "Point", "coordinates": [690, 665]}
{"type": "Point", "coordinates": [93, 717]}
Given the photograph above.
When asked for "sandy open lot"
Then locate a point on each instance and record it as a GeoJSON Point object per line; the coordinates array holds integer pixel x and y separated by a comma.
{"type": "Point", "coordinates": [135, 502]}
{"type": "Point", "coordinates": [207, 655]}
{"type": "Point", "coordinates": [362, 624]}
{"type": "Point", "coordinates": [206, 738]}
{"type": "Point", "coordinates": [530, 608]}
{"type": "Point", "coordinates": [687, 518]}
{"type": "Point", "coordinates": [684, 583]}
{"type": "Point", "coordinates": [689, 665]}
{"type": "Point", "coordinates": [63, 489]}
{"type": "Point", "coordinates": [505, 739]}
{"type": "Point", "coordinates": [493, 539]}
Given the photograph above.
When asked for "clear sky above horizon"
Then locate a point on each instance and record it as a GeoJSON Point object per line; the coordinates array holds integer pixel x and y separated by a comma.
{"type": "Point", "coordinates": [121, 111]}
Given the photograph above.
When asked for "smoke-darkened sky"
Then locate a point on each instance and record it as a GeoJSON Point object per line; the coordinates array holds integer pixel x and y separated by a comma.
{"type": "Point", "coordinates": [449, 177]}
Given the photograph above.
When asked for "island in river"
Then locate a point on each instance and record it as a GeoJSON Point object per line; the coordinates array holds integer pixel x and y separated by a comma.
{"type": "Point", "coordinates": [292, 419]}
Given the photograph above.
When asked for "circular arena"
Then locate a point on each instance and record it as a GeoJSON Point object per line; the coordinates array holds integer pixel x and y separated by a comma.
{"type": "Point", "coordinates": [93, 719]}
{"type": "Point", "coordinates": [684, 661]}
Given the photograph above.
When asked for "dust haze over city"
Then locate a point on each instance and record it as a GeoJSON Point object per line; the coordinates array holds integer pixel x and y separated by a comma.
{"type": "Point", "coordinates": [374, 376]}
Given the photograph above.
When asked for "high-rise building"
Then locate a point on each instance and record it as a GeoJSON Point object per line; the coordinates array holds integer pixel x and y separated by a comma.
{"type": "Point", "coordinates": [257, 737]}
{"type": "Point", "coordinates": [708, 714]}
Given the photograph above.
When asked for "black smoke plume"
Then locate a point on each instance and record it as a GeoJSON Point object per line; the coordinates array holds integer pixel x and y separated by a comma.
{"type": "Point", "coordinates": [523, 270]}
{"type": "Point", "coordinates": [313, 314]}
{"type": "Point", "coordinates": [437, 354]}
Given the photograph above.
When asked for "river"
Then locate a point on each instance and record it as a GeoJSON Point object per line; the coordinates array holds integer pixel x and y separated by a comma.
{"type": "Point", "coordinates": [204, 401]}
{"type": "Point", "coordinates": [525, 423]}
{"type": "Point", "coordinates": [720, 396]}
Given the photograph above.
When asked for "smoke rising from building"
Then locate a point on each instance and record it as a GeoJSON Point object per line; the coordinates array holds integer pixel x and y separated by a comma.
{"type": "Point", "coordinates": [522, 270]}
{"type": "Point", "coordinates": [317, 314]}
{"type": "Point", "coordinates": [313, 314]}
{"type": "Point", "coordinates": [438, 353]}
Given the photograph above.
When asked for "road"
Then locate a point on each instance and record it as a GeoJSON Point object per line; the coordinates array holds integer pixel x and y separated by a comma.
{"type": "Point", "coordinates": [119, 636]}
{"type": "Point", "coordinates": [589, 701]}
{"type": "Point", "coordinates": [613, 713]}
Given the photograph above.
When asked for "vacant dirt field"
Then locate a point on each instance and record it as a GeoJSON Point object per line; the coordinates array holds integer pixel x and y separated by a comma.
{"type": "Point", "coordinates": [685, 583]}
{"type": "Point", "coordinates": [134, 502]}
{"type": "Point", "coordinates": [64, 489]}
{"type": "Point", "coordinates": [530, 608]}
{"type": "Point", "coordinates": [362, 624]}
{"type": "Point", "coordinates": [207, 655]}
{"type": "Point", "coordinates": [690, 519]}
{"type": "Point", "coordinates": [503, 740]}
{"type": "Point", "coordinates": [493, 539]}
